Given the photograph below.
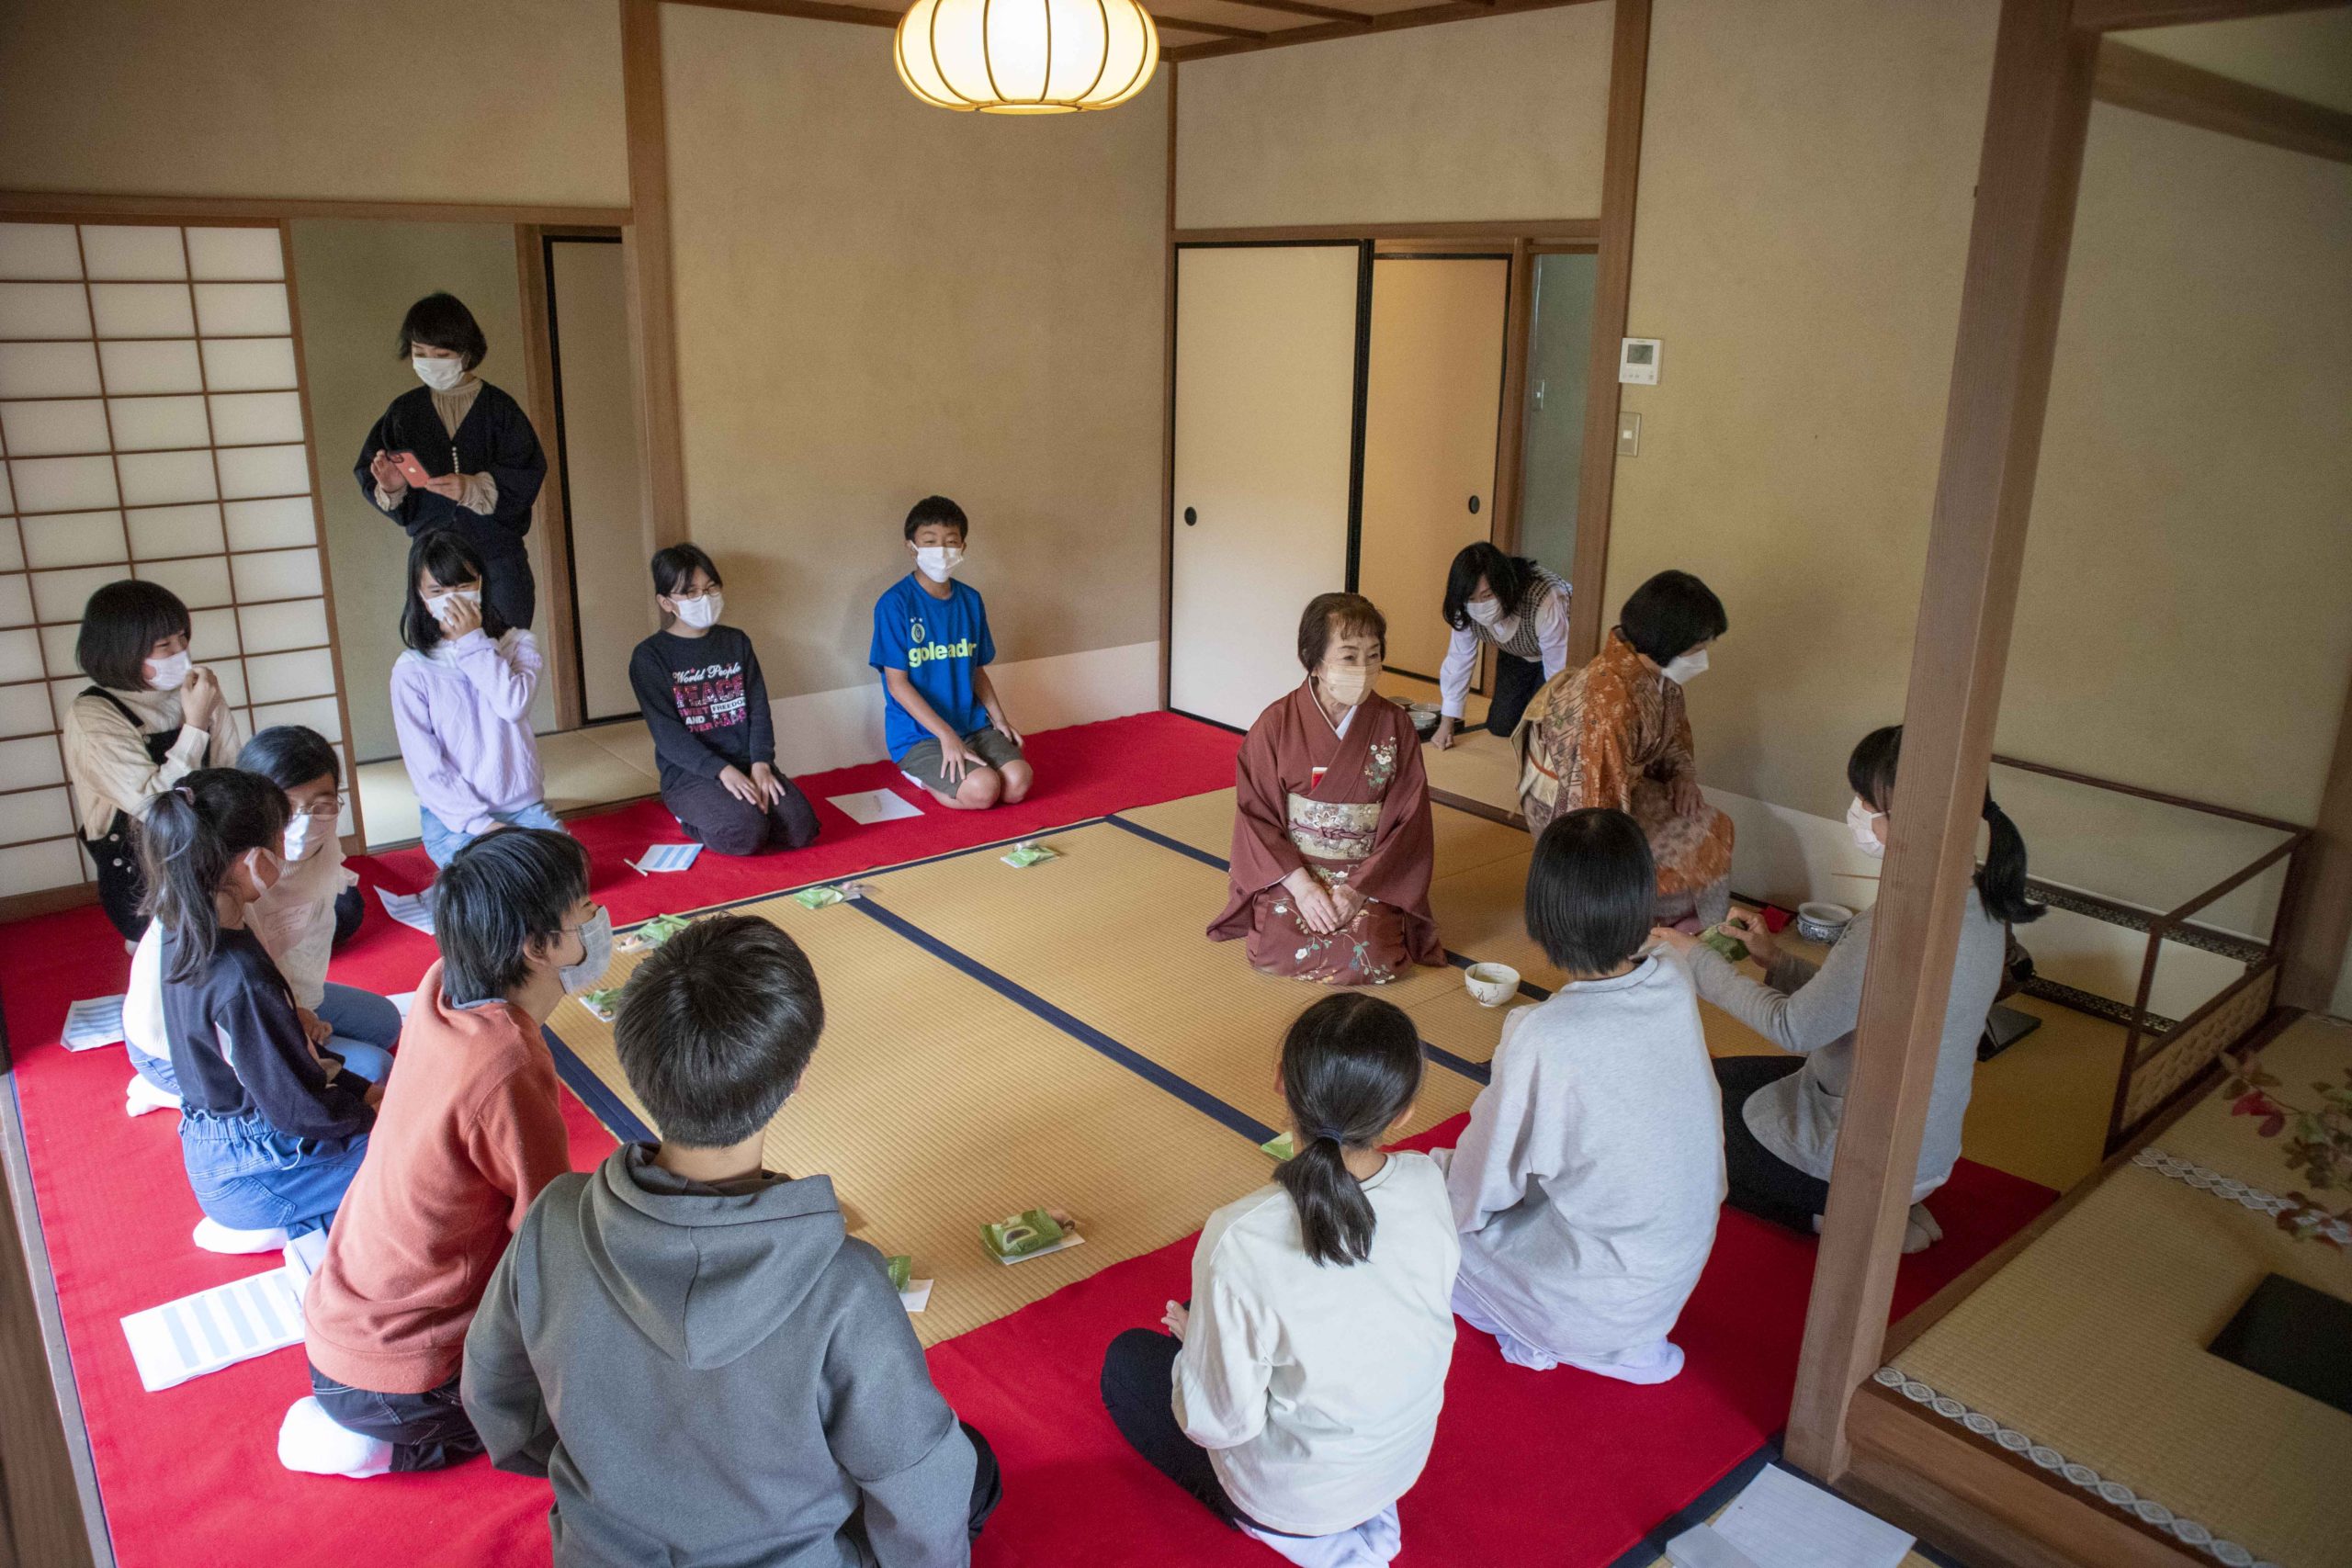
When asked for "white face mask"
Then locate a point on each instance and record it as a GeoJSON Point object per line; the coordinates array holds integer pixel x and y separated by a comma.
{"type": "Point", "coordinates": [1485, 611]}
{"type": "Point", "coordinates": [441, 375]}
{"type": "Point", "coordinates": [264, 880]}
{"type": "Point", "coordinates": [701, 613]}
{"type": "Point", "coordinates": [169, 674]}
{"type": "Point", "coordinates": [444, 605]}
{"type": "Point", "coordinates": [303, 836]}
{"type": "Point", "coordinates": [1680, 670]}
{"type": "Point", "coordinates": [938, 562]}
{"type": "Point", "coordinates": [1349, 687]}
{"type": "Point", "coordinates": [595, 955]}
{"type": "Point", "coordinates": [1859, 821]}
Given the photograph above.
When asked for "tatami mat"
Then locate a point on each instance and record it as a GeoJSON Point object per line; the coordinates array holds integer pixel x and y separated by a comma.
{"type": "Point", "coordinates": [2092, 1341]}
{"type": "Point", "coordinates": [2309, 1052]}
{"type": "Point", "coordinates": [936, 1104]}
{"type": "Point", "coordinates": [1011, 1110]}
{"type": "Point", "coordinates": [595, 766]}
{"type": "Point", "coordinates": [1113, 932]}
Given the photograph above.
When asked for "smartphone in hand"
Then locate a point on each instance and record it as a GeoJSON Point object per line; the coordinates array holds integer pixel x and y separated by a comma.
{"type": "Point", "coordinates": [410, 470]}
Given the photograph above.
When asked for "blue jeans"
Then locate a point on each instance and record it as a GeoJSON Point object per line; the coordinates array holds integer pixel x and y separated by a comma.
{"type": "Point", "coordinates": [156, 1070]}
{"type": "Point", "coordinates": [249, 1176]}
{"type": "Point", "coordinates": [442, 841]}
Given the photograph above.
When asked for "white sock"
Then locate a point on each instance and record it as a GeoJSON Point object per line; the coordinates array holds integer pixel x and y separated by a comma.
{"type": "Point", "coordinates": [1343, 1549]}
{"type": "Point", "coordinates": [140, 1097]}
{"type": "Point", "coordinates": [1384, 1533]}
{"type": "Point", "coordinates": [1916, 1237]}
{"type": "Point", "coordinates": [1926, 1222]}
{"type": "Point", "coordinates": [310, 1441]}
{"type": "Point", "coordinates": [214, 1236]}
{"type": "Point", "coordinates": [1657, 1361]}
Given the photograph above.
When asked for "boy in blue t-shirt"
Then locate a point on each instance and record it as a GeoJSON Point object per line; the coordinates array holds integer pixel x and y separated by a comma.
{"type": "Point", "coordinates": [941, 717]}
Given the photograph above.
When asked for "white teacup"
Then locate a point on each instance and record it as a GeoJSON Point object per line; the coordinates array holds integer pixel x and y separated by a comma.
{"type": "Point", "coordinates": [1492, 984]}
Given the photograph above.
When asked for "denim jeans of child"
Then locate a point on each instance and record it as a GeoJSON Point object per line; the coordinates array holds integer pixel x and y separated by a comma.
{"type": "Point", "coordinates": [249, 1176]}
{"type": "Point", "coordinates": [442, 841]}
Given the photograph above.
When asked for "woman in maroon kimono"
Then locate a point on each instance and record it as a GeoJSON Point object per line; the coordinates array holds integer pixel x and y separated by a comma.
{"type": "Point", "coordinates": [1331, 840]}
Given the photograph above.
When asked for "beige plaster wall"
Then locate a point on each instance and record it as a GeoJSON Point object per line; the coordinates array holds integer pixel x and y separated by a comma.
{"type": "Point", "coordinates": [405, 100]}
{"type": "Point", "coordinates": [878, 300]}
{"type": "Point", "coordinates": [1502, 118]}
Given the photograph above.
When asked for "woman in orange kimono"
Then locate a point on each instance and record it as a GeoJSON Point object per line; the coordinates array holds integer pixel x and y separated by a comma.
{"type": "Point", "coordinates": [1615, 733]}
{"type": "Point", "coordinates": [1332, 840]}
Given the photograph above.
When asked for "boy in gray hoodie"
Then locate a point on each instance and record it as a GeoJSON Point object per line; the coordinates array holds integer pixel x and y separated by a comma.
{"type": "Point", "coordinates": [690, 1348]}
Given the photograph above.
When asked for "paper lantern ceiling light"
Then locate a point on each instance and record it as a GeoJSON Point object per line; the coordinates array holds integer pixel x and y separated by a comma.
{"type": "Point", "coordinates": [1026, 56]}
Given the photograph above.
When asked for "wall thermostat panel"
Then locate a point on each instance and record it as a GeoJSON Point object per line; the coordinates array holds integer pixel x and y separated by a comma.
{"type": "Point", "coordinates": [1637, 361]}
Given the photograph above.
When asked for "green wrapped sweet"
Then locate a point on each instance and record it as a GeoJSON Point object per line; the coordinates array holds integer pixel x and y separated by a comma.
{"type": "Point", "coordinates": [1019, 1236]}
{"type": "Point", "coordinates": [1723, 941]}
{"type": "Point", "coordinates": [902, 1268]}
{"type": "Point", "coordinates": [605, 1003]}
{"type": "Point", "coordinates": [653, 933]}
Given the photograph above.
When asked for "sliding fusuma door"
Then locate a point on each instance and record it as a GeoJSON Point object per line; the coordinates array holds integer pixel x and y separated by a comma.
{"type": "Point", "coordinates": [1265, 442]}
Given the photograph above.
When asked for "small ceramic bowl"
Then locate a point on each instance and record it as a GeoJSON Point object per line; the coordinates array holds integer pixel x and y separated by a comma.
{"type": "Point", "coordinates": [1823, 922]}
{"type": "Point", "coordinates": [1492, 984]}
{"type": "Point", "coordinates": [1425, 718]}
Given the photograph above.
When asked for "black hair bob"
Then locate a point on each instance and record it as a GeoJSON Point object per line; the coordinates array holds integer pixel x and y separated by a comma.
{"type": "Point", "coordinates": [446, 554]}
{"type": "Point", "coordinates": [121, 625]}
{"type": "Point", "coordinates": [1669, 616]}
{"type": "Point", "coordinates": [1591, 890]}
{"type": "Point", "coordinates": [1507, 575]}
{"type": "Point", "coordinates": [442, 320]}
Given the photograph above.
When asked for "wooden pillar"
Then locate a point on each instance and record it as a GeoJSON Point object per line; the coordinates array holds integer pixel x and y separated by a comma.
{"type": "Point", "coordinates": [2320, 924]}
{"type": "Point", "coordinates": [1621, 169]}
{"type": "Point", "coordinates": [2000, 382]}
{"type": "Point", "coordinates": [645, 243]}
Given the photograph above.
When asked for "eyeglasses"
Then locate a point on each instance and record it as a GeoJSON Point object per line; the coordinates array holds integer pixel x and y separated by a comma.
{"type": "Point", "coordinates": [331, 807]}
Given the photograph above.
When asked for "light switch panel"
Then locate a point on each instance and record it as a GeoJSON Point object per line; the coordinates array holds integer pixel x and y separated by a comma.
{"type": "Point", "coordinates": [1629, 436]}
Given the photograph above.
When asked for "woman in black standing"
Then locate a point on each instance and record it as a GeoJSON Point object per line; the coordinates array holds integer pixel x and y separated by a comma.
{"type": "Point", "coordinates": [474, 443]}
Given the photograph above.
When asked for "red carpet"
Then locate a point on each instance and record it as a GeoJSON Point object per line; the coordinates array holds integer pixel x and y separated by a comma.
{"type": "Point", "coordinates": [1537, 1470]}
{"type": "Point", "coordinates": [189, 1476]}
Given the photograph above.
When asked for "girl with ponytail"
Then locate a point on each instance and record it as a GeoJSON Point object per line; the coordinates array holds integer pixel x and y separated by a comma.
{"type": "Point", "coordinates": [271, 1128]}
{"type": "Point", "coordinates": [1781, 1113]}
{"type": "Point", "coordinates": [1587, 1181]}
{"type": "Point", "coordinates": [1309, 1367]}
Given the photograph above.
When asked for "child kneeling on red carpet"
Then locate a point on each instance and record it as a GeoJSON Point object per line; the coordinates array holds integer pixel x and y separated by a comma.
{"type": "Point", "coordinates": [690, 1347]}
{"type": "Point", "coordinates": [1300, 1393]}
{"type": "Point", "coordinates": [470, 1130]}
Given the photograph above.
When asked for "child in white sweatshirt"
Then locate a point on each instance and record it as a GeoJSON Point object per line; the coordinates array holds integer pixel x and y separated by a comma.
{"type": "Point", "coordinates": [1299, 1394]}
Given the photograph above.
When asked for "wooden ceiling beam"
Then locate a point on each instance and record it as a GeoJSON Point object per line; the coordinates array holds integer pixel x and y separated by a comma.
{"type": "Point", "coordinates": [1389, 21]}
{"type": "Point", "coordinates": [2134, 79]}
{"type": "Point", "coordinates": [2105, 15]}
{"type": "Point", "coordinates": [1214, 29]}
{"type": "Point", "coordinates": [808, 10]}
{"type": "Point", "coordinates": [1356, 19]}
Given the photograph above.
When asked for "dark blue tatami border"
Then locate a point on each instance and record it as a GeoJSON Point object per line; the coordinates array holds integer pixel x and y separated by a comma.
{"type": "Point", "coordinates": [1143, 1066]}
{"type": "Point", "coordinates": [596, 1093]}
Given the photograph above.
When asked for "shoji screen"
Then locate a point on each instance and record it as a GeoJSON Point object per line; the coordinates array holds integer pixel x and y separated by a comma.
{"type": "Point", "coordinates": [152, 427]}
